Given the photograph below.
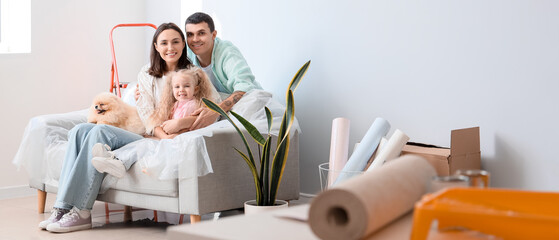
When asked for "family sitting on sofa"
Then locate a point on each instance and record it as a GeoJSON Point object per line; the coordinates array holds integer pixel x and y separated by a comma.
{"type": "Point", "coordinates": [188, 62]}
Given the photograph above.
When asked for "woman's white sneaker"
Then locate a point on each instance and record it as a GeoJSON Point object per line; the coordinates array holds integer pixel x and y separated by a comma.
{"type": "Point", "coordinates": [56, 214]}
{"type": "Point", "coordinates": [74, 220]}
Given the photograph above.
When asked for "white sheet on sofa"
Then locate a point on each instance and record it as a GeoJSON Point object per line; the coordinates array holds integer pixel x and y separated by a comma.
{"type": "Point", "coordinates": [45, 141]}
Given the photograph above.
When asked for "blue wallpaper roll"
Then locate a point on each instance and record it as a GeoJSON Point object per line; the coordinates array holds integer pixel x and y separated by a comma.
{"type": "Point", "coordinates": [358, 160]}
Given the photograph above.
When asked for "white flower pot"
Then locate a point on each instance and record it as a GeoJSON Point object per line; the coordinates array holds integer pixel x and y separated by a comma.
{"type": "Point", "coordinates": [252, 208]}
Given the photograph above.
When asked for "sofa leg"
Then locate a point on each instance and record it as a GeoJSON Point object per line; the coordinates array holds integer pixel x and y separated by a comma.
{"type": "Point", "coordinates": [41, 200]}
{"type": "Point", "coordinates": [127, 214]}
{"type": "Point", "coordinates": [195, 218]}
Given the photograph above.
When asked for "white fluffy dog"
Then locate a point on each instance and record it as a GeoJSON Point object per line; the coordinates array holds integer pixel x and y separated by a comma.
{"type": "Point", "coordinates": [111, 110]}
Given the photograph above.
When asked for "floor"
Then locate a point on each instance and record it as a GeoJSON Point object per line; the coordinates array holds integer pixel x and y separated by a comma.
{"type": "Point", "coordinates": [19, 220]}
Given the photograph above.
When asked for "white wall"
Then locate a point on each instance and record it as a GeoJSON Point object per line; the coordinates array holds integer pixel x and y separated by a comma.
{"type": "Point", "coordinates": [69, 63]}
{"type": "Point", "coordinates": [426, 66]}
{"type": "Point", "coordinates": [158, 12]}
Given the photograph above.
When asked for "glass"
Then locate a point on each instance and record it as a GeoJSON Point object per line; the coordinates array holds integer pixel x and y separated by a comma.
{"type": "Point", "coordinates": [441, 182]}
{"type": "Point", "coordinates": [328, 176]}
{"type": "Point", "coordinates": [478, 178]}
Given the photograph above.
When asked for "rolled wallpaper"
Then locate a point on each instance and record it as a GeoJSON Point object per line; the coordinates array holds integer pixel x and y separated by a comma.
{"type": "Point", "coordinates": [381, 144]}
{"type": "Point", "coordinates": [361, 205]}
{"type": "Point", "coordinates": [390, 150]}
{"type": "Point", "coordinates": [339, 146]}
{"type": "Point", "coordinates": [358, 160]}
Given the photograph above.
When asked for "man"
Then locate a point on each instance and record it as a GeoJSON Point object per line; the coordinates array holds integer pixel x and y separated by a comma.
{"type": "Point", "coordinates": [221, 60]}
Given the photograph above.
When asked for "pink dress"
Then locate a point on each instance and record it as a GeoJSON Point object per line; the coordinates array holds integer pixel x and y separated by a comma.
{"type": "Point", "coordinates": [184, 108]}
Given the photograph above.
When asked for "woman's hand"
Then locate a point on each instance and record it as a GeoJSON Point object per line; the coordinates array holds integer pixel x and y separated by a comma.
{"type": "Point", "coordinates": [137, 93]}
{"type": "Point", "coordinates": [171, 126]}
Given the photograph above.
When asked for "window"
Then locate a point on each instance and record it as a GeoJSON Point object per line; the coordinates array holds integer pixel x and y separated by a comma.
{"type": "Point", "coordinates": [15, 26]}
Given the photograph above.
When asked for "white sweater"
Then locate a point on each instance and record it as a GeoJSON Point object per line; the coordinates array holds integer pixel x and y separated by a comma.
{"type": "Point", "coordinates": [150, 89]}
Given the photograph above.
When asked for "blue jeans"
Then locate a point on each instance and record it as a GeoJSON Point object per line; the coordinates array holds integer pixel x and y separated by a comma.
{"type": "Point", "coordinates": [79, 181]}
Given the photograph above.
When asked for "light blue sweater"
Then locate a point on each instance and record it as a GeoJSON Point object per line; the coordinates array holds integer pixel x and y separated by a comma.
{"type": "Point", "coordinates": [229, 67]}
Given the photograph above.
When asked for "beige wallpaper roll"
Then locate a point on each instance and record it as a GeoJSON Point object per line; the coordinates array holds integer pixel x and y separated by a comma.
{"type": "Point", "coordinates": [390, 150]}
{"type": "Point", "coordinates": [361, 205]}
{"type": "Point", "coordinates": [382, 143]}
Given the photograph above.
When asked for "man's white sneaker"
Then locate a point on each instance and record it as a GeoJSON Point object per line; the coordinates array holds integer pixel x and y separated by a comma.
{"type": "Point", "coordinates": [105, 162]}
{"type": "Point", "coordinates": [56, 214]}
{"type": "Point", "coordinates": [72, 221]}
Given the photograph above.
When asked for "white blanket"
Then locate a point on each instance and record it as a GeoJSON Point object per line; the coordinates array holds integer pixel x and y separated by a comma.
{"type": "Point", "coordinates": [45, 140]}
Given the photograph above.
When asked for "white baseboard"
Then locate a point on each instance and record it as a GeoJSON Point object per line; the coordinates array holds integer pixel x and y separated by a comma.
{"type": "Point", "coordinates": [17, 191]}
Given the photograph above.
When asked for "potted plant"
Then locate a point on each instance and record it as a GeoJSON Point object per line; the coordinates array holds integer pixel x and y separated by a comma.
{"type": "Point", "coordinates": [268, 178]}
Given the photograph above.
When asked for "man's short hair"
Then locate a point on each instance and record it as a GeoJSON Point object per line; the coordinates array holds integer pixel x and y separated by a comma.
{"type": "Point", "coordinates": [199, 17]}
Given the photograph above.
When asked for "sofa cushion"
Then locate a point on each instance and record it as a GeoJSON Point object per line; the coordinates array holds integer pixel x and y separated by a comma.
{"type": "Point", "coordinates": [137, 181]}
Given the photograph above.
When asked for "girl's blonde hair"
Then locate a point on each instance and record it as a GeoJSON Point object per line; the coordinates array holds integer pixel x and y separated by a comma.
{"type": "Point", "coordinates": [164, 110]}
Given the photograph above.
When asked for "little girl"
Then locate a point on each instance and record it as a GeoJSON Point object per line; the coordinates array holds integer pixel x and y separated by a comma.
{"type": "Point", "coordinates": [182, 95]}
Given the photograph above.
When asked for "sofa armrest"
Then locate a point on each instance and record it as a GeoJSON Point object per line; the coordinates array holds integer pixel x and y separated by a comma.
{"type": "Point", "coordinates": [40, 134]}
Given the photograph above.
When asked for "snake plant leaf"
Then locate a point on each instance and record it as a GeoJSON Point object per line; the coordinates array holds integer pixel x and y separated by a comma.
{"type": "Point", "coordinates": [278, 165]}
{"type": "Point", "coordinates": [298, 76]}
{"type": "Point", "coordinates": [265, 170]}
{"type": "Point", "coordinates": [257, 182]}
{"type": "Point", "coordinates": [288, 117]}
{"type": "Point", "coordinates": [269, 118]}
{"type": "Point", "coordinates": [290, 112]}
{"type": "Point", "coordinates": [213, 106]}
{"type": "Point", "coordinates": [254, 133]}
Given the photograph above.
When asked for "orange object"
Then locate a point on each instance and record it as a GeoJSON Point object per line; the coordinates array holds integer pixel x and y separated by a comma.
{"type": "Point", "coordinates": [504, 213]}
{"type": "Point", "coordinates": [115, 84]}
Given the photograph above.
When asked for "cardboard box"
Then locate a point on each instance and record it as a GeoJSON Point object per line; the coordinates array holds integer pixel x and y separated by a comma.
{"type": "Point", "coordinates": [464, 152]}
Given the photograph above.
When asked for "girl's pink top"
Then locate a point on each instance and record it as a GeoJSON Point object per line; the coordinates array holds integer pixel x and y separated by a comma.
{"type": "Point", "coordinates": [184, 108]}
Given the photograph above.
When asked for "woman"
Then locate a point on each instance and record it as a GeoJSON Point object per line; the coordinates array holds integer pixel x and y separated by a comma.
{"type": "Point", "coordinates": [79, 181]}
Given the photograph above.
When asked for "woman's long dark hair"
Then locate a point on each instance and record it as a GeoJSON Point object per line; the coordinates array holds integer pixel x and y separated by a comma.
{"type": "Point", "coordinates": [158, 66]}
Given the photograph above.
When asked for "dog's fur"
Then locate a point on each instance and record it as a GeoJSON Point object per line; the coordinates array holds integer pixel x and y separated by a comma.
{"type": "Point", "coordinates": [111, 110]}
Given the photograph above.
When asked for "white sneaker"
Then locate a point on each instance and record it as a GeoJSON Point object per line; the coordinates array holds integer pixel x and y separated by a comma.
{"type": "Point", "coordinates": [105, 162]}
{"type": "Point", "coordinates": [72, 221]}
{"type": "Point", "coordinates": [56, 214]}
{"type": "Point", "coordinates": [102, 150]}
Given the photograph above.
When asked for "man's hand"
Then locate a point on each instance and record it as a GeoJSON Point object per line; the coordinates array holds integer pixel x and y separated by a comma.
{"type": "Point", "coordinates": [137, 93]}
{"type": "Point", "coordinates": [204, 119]}
{"type": "Point", "coordinates": [171, 126]}
{"type": "Point", "coordinates": [207, 116]}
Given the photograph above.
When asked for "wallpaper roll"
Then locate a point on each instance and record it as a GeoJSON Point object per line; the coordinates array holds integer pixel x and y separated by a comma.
{"type": "Point", "coordinates": [358, 160]}
{"type": "Point", "coordinates": [381, 144]}
{"type": "Point", "coordinates": [359, 206]}
{"type": "Point", "coordinates": [391, 149]}
{"type": "Point", "coordinates": [339, 145]}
